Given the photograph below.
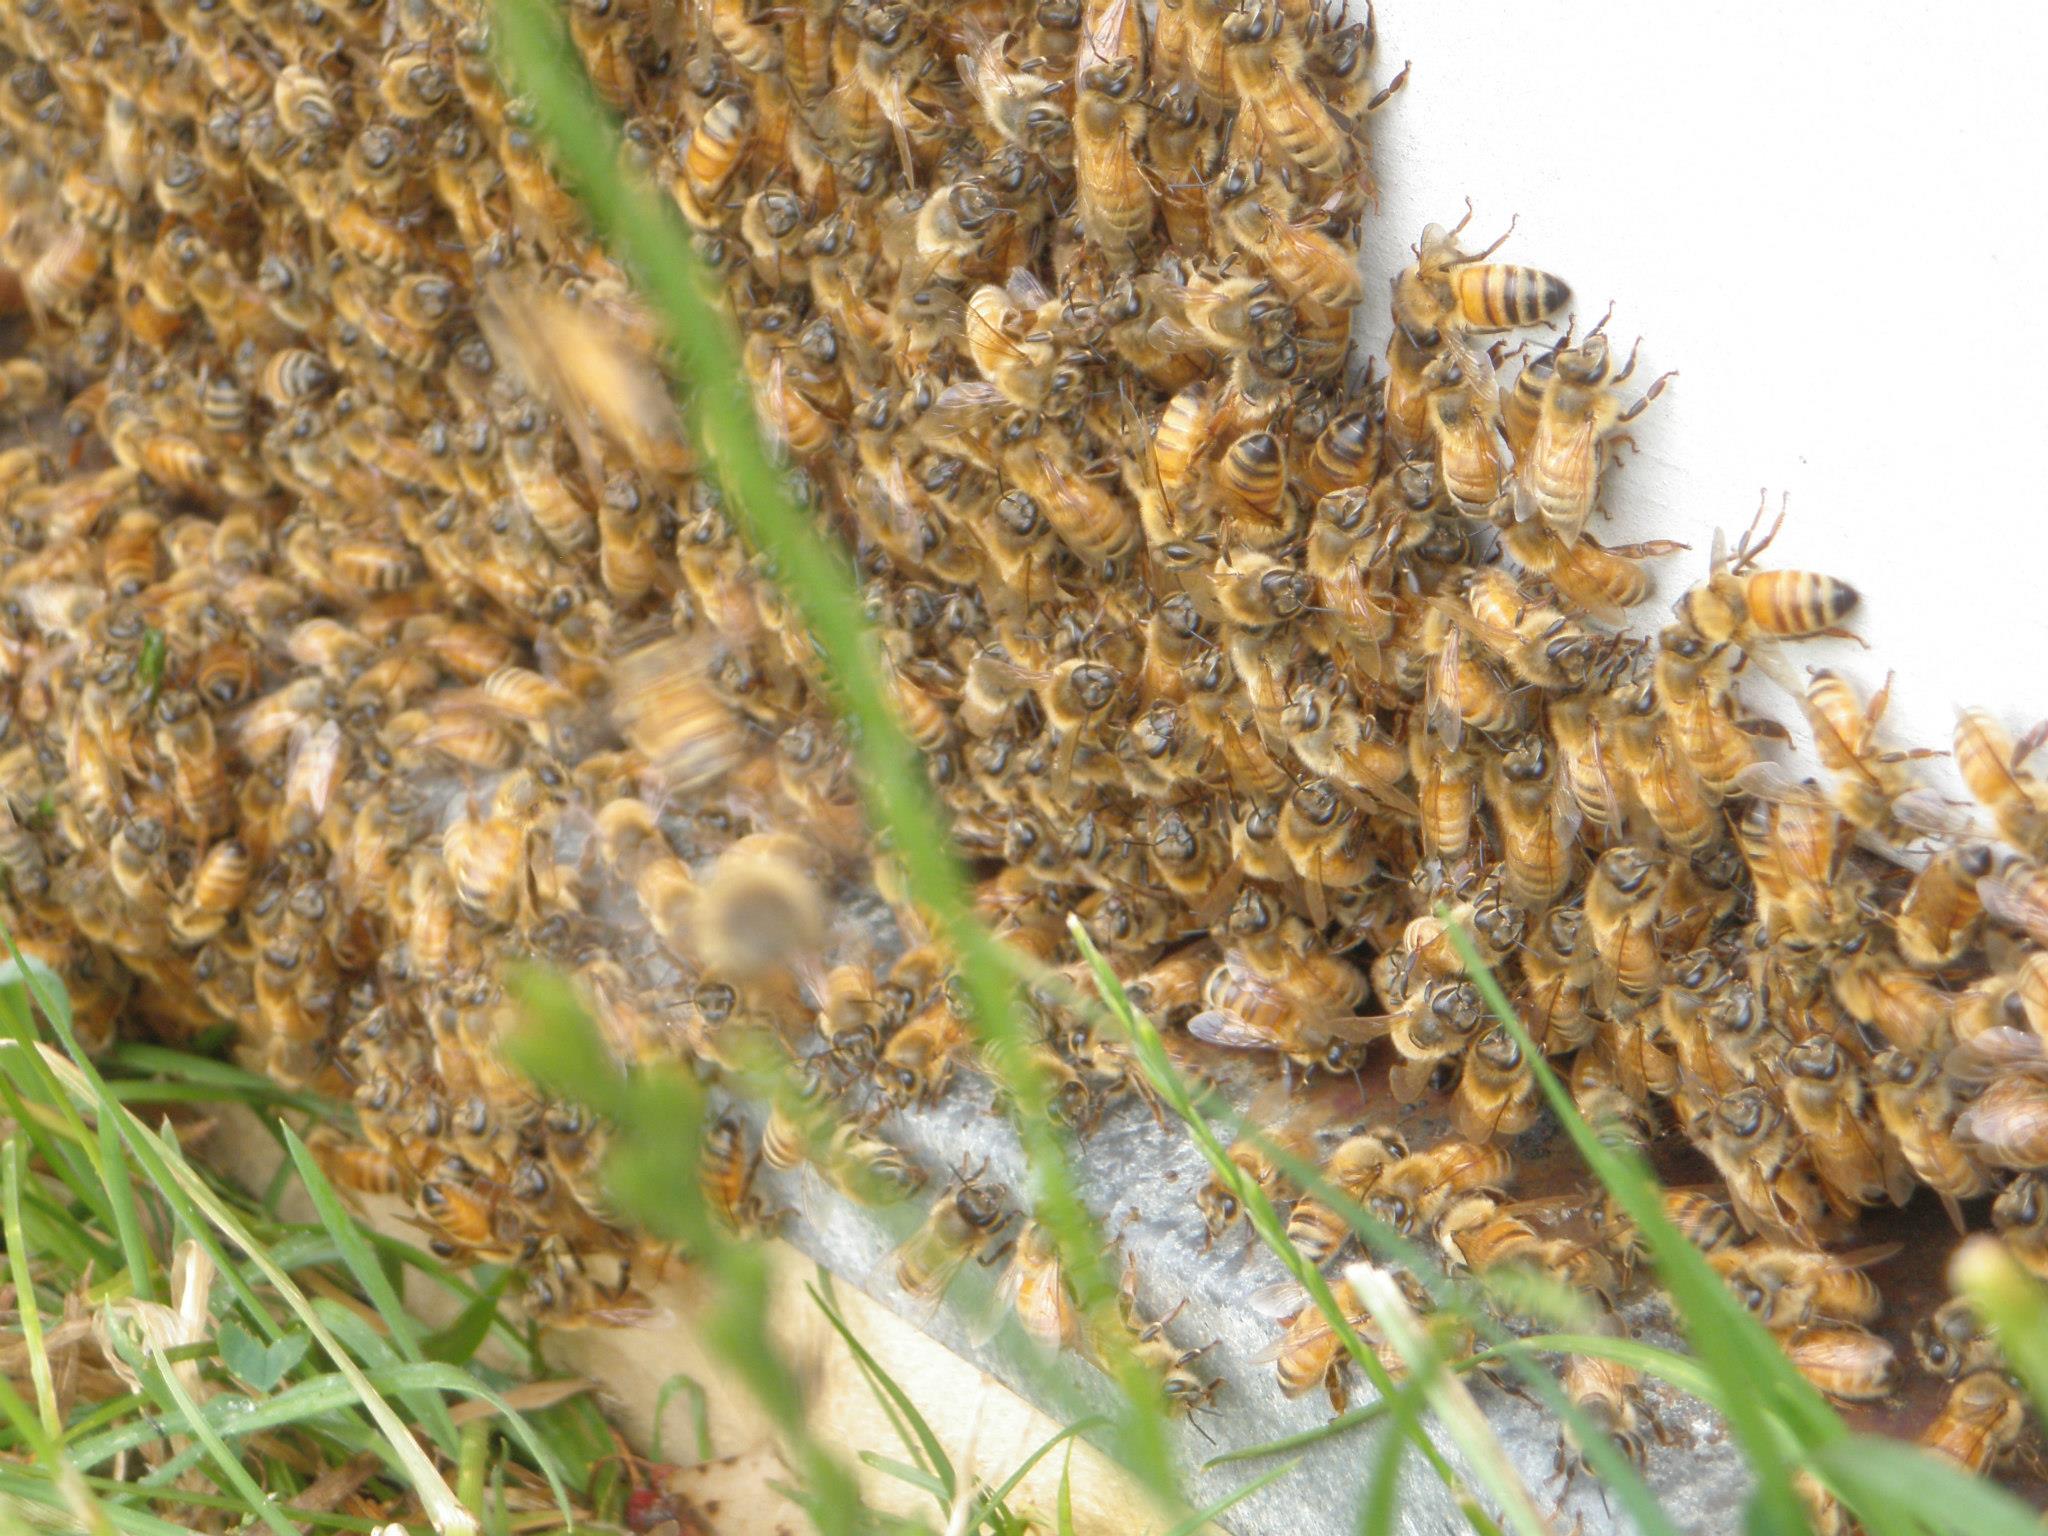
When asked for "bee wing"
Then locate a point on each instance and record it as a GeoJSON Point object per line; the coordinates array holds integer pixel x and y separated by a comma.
{"type": "Point", "coordinates": [1219, 1026]}
{"type": "Point", "coordinates": [1281, 1300]}
{"type": "Point", "coordinates": [1110, 30]}
{"type": "Point", "coordinates": [1773, 781]}
{"type": "Point", "coordinates": [1360, 1028]}
{"type": "Point", "coordinates": [1027, 291]}
{"type": "Point", "coordinates": [1930, 811]}
{"type": "Point", "coordinates": [313, 764]}
{"type": "Point", "coordinates": [1995, 1052]}
{"type": "Point", "coordinates": [1410, 1079]}
{"type": "Point", "coordinates": [2015, 905]}
{"type": "Point", "coordinates": [1502, 642]}
{"type": "Point", "coordinates": [1443, 691]}
{"type": "Point", "coordinates": [1480, 375]}
{"type": "Point", "coordinates": [2008, 1125]}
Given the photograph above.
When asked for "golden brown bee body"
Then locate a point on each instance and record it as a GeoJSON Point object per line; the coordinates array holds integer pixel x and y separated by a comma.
{"type": "Point", "coordinates": [1850, 1365]}
{"type": "Point", "coordinates": [964, 1222]}
{"type": "Point", "coordinates": [1980, 1424]}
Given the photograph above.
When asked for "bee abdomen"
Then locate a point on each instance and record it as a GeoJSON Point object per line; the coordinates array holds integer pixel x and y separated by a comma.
{"type": "Point", "coordinates": [1798, 602]}
{"type": "Point", "coordinates": [1498, 297]}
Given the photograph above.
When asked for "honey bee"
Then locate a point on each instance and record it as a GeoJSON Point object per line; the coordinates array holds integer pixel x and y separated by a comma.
{"type": "Point", "coordinates": [1827, 1099]}
{"type": "Point", "coordinates": [1216, 1200]}
{"type": "Point", "coordinates": [1980, 1424]}
{"type": "Point", "coordinates": [1298, 1010]}
{"type": "Point", "coordinates": [917, 1061]}
{"type": "Point", "coordinates": [1538, 825]}
{"type": "Point", "coordinates": [1557, 481]}
{"type": "Point", "coordinates": [1445, 285]}
{"type": "Point", "coordinates": [1318, 1230]}
{"type": "Point", "coordinates": [1304, 261]}
{"type": "Point", "coordinates": [1989, 764]}
{"type": "Point", "coordinates": [1497, 1093]}
{"type": "Point", "coordinates": [1035, 1288]}
{"type": "Point", "coordinates": [725, 1174]}
{"type": "Point", "coordinates": [1182, 1389]}
{"type": "Point", "coordinates": [965, 1223]}
{"type": "Point", "coordinates": [1739, 606]}
{"type": "Point", "coordinates": [1918, 1106]}
{"type": "Point", "coordinates": [1789, 1288]}
{"type": "Point", "coordinates": [1851, 1365]}
{"type": "Point", "coordinates": [1950, 1343]}
{"type": "Point", "coordinates": [1414, 1191]}
{"type": "Point", "coordinates": [364, 1169]}
{"type": "Point", "coordinates": [1312, 1353]}
{"type": "Point", "coordinates": [1265, 60]}
{"type": "Point", "coordinates": [2020, 1215]}
{"type": "Point", "coordinates": [1609, 1395]}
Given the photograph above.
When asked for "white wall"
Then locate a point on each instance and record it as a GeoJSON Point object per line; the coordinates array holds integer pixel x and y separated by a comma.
{"type": "Point", "coordinates": [1833, 219]}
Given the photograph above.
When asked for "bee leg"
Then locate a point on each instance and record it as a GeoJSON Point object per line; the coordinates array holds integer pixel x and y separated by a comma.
{"type": "Point", "coordinates": [1333, 1386]}
{"type": "Point", "coordinates": [1655, 389]}
{"type": "Point", "coordinates": [1392, 89]}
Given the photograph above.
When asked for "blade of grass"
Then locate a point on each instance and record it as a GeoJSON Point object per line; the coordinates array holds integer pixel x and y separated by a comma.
{"type": "Point", "coordinates": [38, 1105]}
{"type": "Point", "coordinates": [1461, 1300]}
{"type": "Point", "coordinates": [700, 1414]}
{"type": "Point", "coordinates": [926, 1444]}
{"type": "Point", "coordinates": [1454, 1406]}
{"type": "Point", "coordinates": [1376, 1509]}
{"type": "Point", "coordinates": [70, 1492]}
{"type": "Point", "coordinates": [362, 1265]}
{"type": "Point", "coordinates": [434, 1493]}
{"type": "Point", "coordinates": [648, 233]}
{"type": "Point", "coordinates": [25, 1306]}
{"type": "Point", "coordinates": [1231, 1500]}
{"type": "Point", "coordinates": [163, 1383]}
{"type": "Point", "coordinates": [1344, 1423]}
{"type": "Point", "coordinates": [904, 1472]}
{"type": "Point", "coordinates": [2012, 1304]}
{"type": "Point", "coordinates": [104, 1520]}
{"type": "Point", "coordinates": [1063, 1508]}
{"type": "Point", "coordinates": [1908, 1480]}
{"type": "Point", "coordinates": [1008, 1486]}
{"type": "Point", "coordinates": [1731, 1345]}
{"type": "Point", "coordinates": [139, 1266]}
{"type": "Point", "coordinates": [659, 1112]}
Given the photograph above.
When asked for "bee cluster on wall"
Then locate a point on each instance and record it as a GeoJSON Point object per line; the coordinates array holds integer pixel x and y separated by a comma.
{"type": "Point", "coordinates": [366, 619]}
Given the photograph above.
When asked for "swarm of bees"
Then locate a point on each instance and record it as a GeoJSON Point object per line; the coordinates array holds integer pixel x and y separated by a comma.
{"type": "Point", "coordinates": [366, 619]}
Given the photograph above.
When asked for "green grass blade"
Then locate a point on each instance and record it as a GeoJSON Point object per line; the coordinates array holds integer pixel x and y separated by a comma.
{"type": "Point", "coordinates": [700, 1414]}
{"type": "Point", "coordinates": [458, 1343]}
{"type": "Point", "coordinates": [648, 234]}
{"type": "Point", "coordinates": [31, 1314]}
{"type": "Point", "coordinates": [45, 1114]}
{"type": "Point", "coordinates": [1455, 1409]}
{"type": "Point", "coordinates": [158, 1375]}
{"type": "Point", "coordinates": [2013, 1305]}
{"type": "Point", "coordinates": [1022, 1470]}
{"type": "Point", "coordinates": [1376, 1509]}
{"type": "Point", "coordinates": [904, 1472]}
{"type": "Point", "coordinates": [434, 1493]}
{"type": "Point", "coordinates": [1063, 1509]}
{"type": "Point", "coordinates": [926, 1444]}
{"type": "Point", "coordinates": [139, 1265]}
{"type": "Point", "coordinates": [1873, 1472]}
{"type": "Point", "coordinates": [69, 1490]}
{"type": "Point", "coordinates": [1344, 1423]}
{"type": "Point", "coordinates": [1731, 1345]}
{"type": "Point", "coordinates": [18, 1487]}
{"type": "Point", "coordinates": [362, 1265]}
{"type": "Point", "coordinates": [221, 1079]}
{"type": "Point", "coordinates": [1231, 1500]}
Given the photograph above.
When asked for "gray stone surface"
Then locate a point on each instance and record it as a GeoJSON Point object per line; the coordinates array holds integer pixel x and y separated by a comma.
{"type": "Point", "coordinates": [1140, 1180]}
